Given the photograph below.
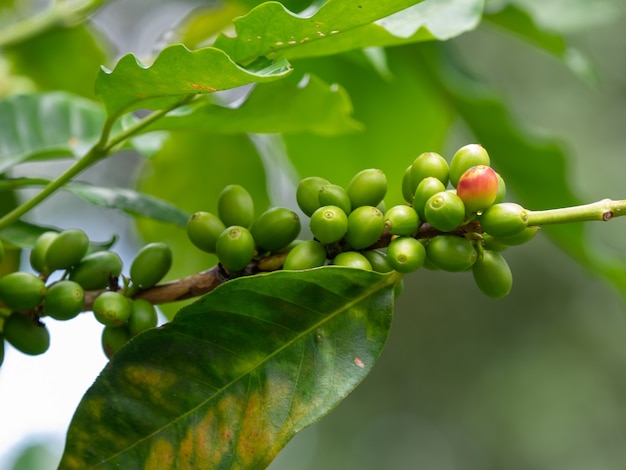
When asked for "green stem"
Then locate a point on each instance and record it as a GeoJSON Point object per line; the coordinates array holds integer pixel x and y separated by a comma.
{"type": "Point", "coordinates": [602, 210]}
{"type": "Point", "coordinates": [60, 13]}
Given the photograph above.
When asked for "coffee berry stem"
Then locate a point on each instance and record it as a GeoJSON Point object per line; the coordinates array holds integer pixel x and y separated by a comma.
{"type": "Point", "coordinates": [603, 210]}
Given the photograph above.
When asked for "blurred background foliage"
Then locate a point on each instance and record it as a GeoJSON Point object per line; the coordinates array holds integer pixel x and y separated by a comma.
{"type": "Point", "coordinates": [530, 382]}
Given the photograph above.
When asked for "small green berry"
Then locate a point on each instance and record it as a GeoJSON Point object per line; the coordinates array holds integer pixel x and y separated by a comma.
{"type": "Point", "coordinates": [235, 206]}
{"type": "Point", "coordinates": [451, 253]}
{"type": "Point", "coordinates": [97, 270]}
{"type": "Point", "coordinates": [26, 334]}
{"type": "Point", "coordinates": [143, 316]}
{"type": "Point", "coordinates": [39, 250]}
{"type": "Point", "coordinates": [501, 190]}
{"type": "Point", "coordinates": [401, 220]}
{"type": "Point", "coordinates": [275, 229]}
{"type": "Point", "coordinates": [113, 339]}
{"type": "Point", "coordinates": [406, 254]}
{"type": "Point", "coordinates": [444, 211]}
{"type": "Point", "coordinates": [426, 165]}
{"type": "Point", "coordinates": [203, 228]}
{"type": "Point", "coordinates": [67, 249]}
{"type": "Point", "coordinates": [111, 308]}
{"type": "Point", "coordinates": [425, 189]}
{"type": "Point", "coordinates": [305, 255]}
{"type": "Point", "coordinates": [352, 259]}
{"type": "Point", "coordinates": [465, 158]}
{"type": "Point", "coordinates": [335, 195]}
{"type": "Point", "coordinates": [64, 300]}
{"type": "Point", "coordinates": [365, 226]}
{"type": "Point", "coordinates": [21, 290]}
{"type": "Point", "coordinates": [329, 224]}
{"type": "Point", "coordinates": [407, 192]}
{"type": "Point", "coordinates": [492, 274]}
{"type": "Point", "coordinates": [504, 220]}
{"type": "Point", "coordinates": [308, 193]}
{"type": "Point", "coordinates": [367, 188]}
{"type": "Point", "coordinates": [235, 248]}
{"type": "Point", "coordinates": [150, 265]}
{"type": "Point", "coordinates": [378, 260]}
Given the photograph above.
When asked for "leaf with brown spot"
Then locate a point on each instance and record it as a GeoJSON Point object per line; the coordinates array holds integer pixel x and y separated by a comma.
{"type": "Point", "coordinates": [235, 375]}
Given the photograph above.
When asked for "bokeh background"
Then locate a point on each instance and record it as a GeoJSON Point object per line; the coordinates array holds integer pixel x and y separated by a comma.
{"type": "Point", "coordinates": [535, 381]}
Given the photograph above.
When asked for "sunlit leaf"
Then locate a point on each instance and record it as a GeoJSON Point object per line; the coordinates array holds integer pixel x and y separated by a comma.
{"type": "Point", "coordinates": [175, 73]}
{"type": "Point", "coordinates": [236, 375]}
{"type": "Point", "coordinates": [341, 25]}
{"type": "Point", "coordinates": [285, 106]}
{"type": "Point", "coordinates": [46, 125]}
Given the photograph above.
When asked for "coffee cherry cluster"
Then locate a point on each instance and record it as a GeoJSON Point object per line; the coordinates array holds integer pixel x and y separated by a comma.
{"type": "Point", "coordinates": [26, 298]}
{"type": "Point", "coordinates": [235, 235]}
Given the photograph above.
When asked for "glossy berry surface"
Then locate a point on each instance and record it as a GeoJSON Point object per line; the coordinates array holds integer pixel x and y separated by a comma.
{"type": "Point", "coordinates": [143, 316]}
{"type": "Point", "coordinates": [367, 188]}
{"type": "Point", "coordinates": [275, 229]}
{"type": "Point", "coordinates": [365, 226]}
{"type": "Point", "coordinates": [444, 211]}
{"type": "Point", "coordinates": [306, 255]}
{"type": "Point", "coordinates": [425, 189]}
{"type": "Point", "coordinates": [401, 220]}
{"type": "Point", "coordinates": [235, 206]}
{"type": "Point", "coordinates": [64, 300]}
{"type": "Point", "coordinates": [492, 274]}
{"type": "Point", "coordinates": [406, 254]}
{"type": "Point", "coordinates": [504, 220]}
{"type": "Point", "coordinates": [378, 260]}
{"type": "Point", "coordinates": [67, 249]}
{"type": "Point", "coordinates": [39, 250]}
{"type": "Point", "coordinates": [21, 290]}
{"type": "Point", "coordinates": [95, 271]}
{"type": "Point", "coordinates": [113, 339]}
{"type": "Point", "coordinates": [151, 264]}
{"type": "Point", "coordinates": [111, 308]}
{"type": "Point", "coordinates": [235, 248]}
{"type": "Point", "coordinates": [451, 253]}
{"type": "Point", "coordinates": [478, 188]}
{"type": "Point", "coordinates": [429, 164]}
{"type": "Point", "coordinates": [352, 259]}
{"type": "Point", "coordinates": [466, 157]}
{"type": "Point", "coordinates": [203, 228]}
{"type": "Point", "coordinates": [407, 191]}
{"type": "Point", "coordinates": [308, 193]}
{"type": "Point", "coordinates": [335, 195]}
{"type": "Point", "coordinates": [26, 334]}
{"type": "Point", "coordinates": [329, 224]}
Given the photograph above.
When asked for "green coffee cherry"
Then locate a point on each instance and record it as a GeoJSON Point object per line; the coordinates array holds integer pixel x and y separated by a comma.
{"type": "Point", "coordinates": [306, 255]}
{"type": "Point", "coordinates": [444, 211]}
{"type": "Point", "coordinates": [365, 226]}
{"type": "Point", "coordinates": [504, 220]}
{"type": "Point", "coordinates": [427, 188]}
{"type": "Point", "coordinates": [335, 195]}
{"type": "Point", "coordinates": [235, 206]}
{"type": "Point", "coordinates": [150, 265]}
{"type": "Point", "coordinates": [478, 188]}
{"type": "Point", "coordinates": [401, 220]}
{"type": "Point", "coordinates": [64, 300]}
{"type": "Point", "coordinates": [26, 334]}
{"type": "Point", "coordinates": [407, 193]}
{"type": "Point", "coordinates": [429, 164]}
{"type": "Point", "coordinates": [492, 274]}
{"type": "Point", "coordinates": [21, 290]}
{"type": "Point", "coordinates": [275, 229]}
{"type": "Point", "coordinates": [520, 238]}
{"type": "Point", "coordinates": [235, 248]}
{"type": "Point", "coordinates": [308, 193]}
{"type": "Point", "coordinates": [501, 190]}
{"type": "Point", "coordinates": [367, 188]}
{"type": "Point", "coordinates": [95, 271]}
{"type": "Point", "coordinates": [465, 158]}
{"type": "Point", "coordinates": [111, 308]}
{"type": "Point", "coordinates": [38, 253]}
{"type": "Point", "coordinates": [67, 249]}
{"type": "Point", "coordinates": [329, 224]}
{"type": "Point", "coordinates": [143, 316]}
{"type": "Point", "coordinates": [492, 243]}
{"type": "Point", "coordinates": [352, 259]}
{"type": "Point", "coordinates": [451, 253]}
{"type": "Point", "coordinates": [113, 339]}
{"type": "Point", "coordinates": [406, 254]}
{"type": "Point", "coordinates": [203, 228]}
{"type": "Point", "coordinates": [378, 260]}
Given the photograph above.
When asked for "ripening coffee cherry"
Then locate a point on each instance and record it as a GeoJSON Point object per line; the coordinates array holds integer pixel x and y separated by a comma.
{"type": "Point", "coordinates": [492, 274]}
{"type": "Point", "coordinates": [21, 290]}
{"type": "Point", "coordinates": [478, 188]}
{"type": "Point", "coordinates": [501, 190]}
{"type": "Point", "coordinates": [352, 259]}
{"type": "Point", "coordinates": [235, 248]}
{"type": "Point", "coordinates": [112, 308]}
{"type": "Point", "coordinates": [451, 253]}
{"type": "Point", "coordinates": [151, 265]}
{"type": "Point", "coordinates": [444, 211]}
{"type": "Point", "coordinates": [429, 164]}
{"type": "Point", "coordinates": [67, 249]}
{"type": "Point", "coordinates": [235, 206]}
{"type": "Point", "coordinates": [275, 229]}
{"type": "Point", "coordinates": [39, 250]}
{"type": "Point", "coordinates": [504, 220]}
{"type": "Point", "coordinates": [407, 193]}
{"type": "Point", "coordinates": [96, 270]}
{"type": "Point", "coordinates": [26, 334]}
{"type": "Point", "coordinates": [203, 228]}
{"type": "Point", "coordinates": [367, 188]}
{"type": "Point", "coordinates": [64, 300]}
{"type": "Point", "coordinates": [378, 260]}
{"type": "Point", "coordinates": [113, 339]}
{"type": "Point", "coordinates": [143, 316]}
{"type": "Point", "coordinates": [308, 193]}
{"type": "Point", "coordinates": [465, 158]}
{"type": "Point", "coordinates": [425, 189]}
{"type": "Point", "coordinates": [335, 195]}
{"type": "Point", "coordinates": [365, 226]}
{"type": "Point", "coordinates": [305, 255]}
{"type": "Point", "coordinates": [329, 224]}
{"type": "Point", "coordinates": [401, 220]}
{"type": "Point", "coordinates": [406, 254]}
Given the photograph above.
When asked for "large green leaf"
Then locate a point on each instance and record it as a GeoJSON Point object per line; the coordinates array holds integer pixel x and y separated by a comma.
{"type": "Point", "coordinates": [342, 25]}
{"type": "Point", "coordinates": [534, 168]}
{"type": "Point", "coordinates": [47, 125]}
{"type": "Point", "coordinates": [236, 375]}
{"type": "Point", "coordinates": [296, 104]}
{"type": "Point", "coordinates": [175, 73]}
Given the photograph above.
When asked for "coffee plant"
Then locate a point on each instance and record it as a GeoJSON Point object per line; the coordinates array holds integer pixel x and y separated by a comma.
{"type": "Point", "coordinates": [288, 290]}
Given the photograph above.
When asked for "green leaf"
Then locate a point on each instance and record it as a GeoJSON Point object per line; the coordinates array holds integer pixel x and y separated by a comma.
{"type": "Point", "coordinates": [517, 21]}
{"type": "Point", "coordinates": [296, 104]}
{"type": "Point", "coordinates": [534, 168]}
{"type": "Point", "coordinates": [175, 73]}
{"type": "Point", "coordinates": [236, 375]}
{"type": "Point", "coordinates": [50, 125]}
{"type": "Point", "coordinates": [342, 25]}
